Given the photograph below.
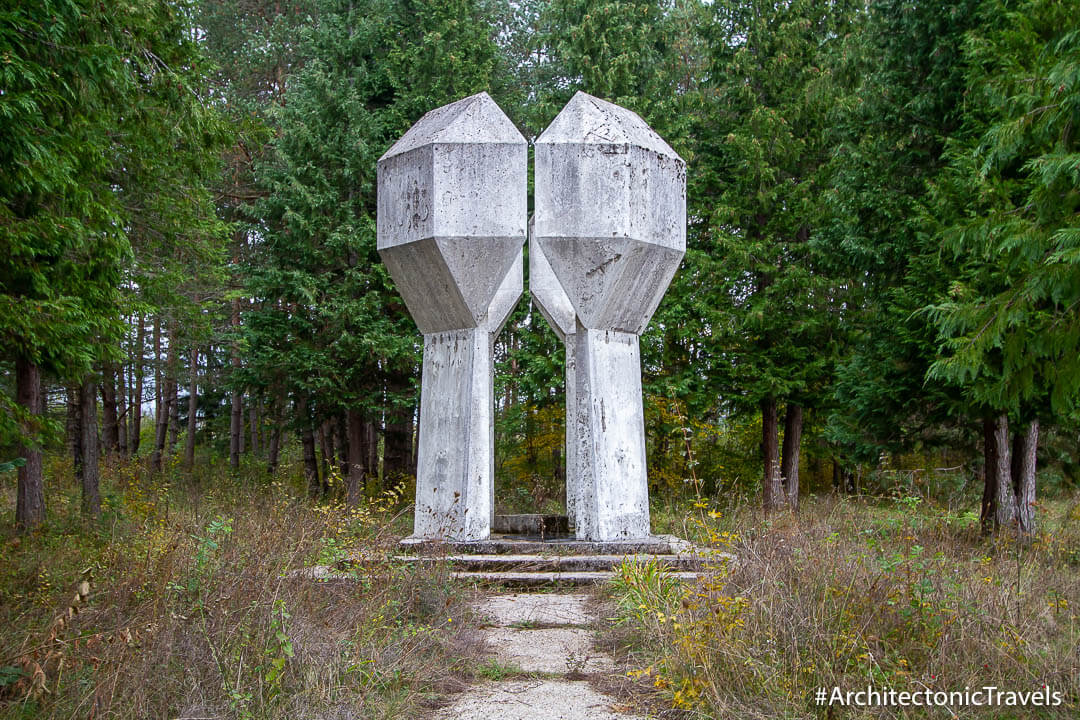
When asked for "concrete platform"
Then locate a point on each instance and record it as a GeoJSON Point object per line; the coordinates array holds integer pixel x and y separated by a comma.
{"type": "Point", "coordinates": [550, 579]}
{"type": "Point", "coordinates": [653, 545]}
{"type": "Point", "coordinates": [555, 563]}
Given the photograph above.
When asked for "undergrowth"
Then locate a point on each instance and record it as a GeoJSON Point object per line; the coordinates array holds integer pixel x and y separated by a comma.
{"type": "Point", "coordinates": [852, 594]}
{"type": "Point", "coordinates": [197, 604]}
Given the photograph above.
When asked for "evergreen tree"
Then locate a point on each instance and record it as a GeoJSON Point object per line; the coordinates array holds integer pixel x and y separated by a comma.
{"type": "Point", "coordinates": [759, 164]}
{"type": "Point", "coordinates": [1008, 207]}
{"type": "Point", "coordinates": [328, 327]}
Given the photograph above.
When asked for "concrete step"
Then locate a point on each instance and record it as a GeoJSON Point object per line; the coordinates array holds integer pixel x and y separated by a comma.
{"type": "Point", "coordinates": [495, 562]}
{"type": "Point", "coordinates": [514, 545]}
{"type": "Point", "coordinates": [549, 579]}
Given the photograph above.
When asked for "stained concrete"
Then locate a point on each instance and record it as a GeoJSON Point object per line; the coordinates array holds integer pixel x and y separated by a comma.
{"type": "Point", "coordinates": [536, 609]}
{"type": "Point", "coordinates": [451, 226]}
{"type": "Point", "coordinates": [610, 224]}
{"type": "Point", "coordinates": [534, 700]}
{"type": "Point", "coordinates": [555, 306]}
{"type": "Point", "coordinates": [548, 650]}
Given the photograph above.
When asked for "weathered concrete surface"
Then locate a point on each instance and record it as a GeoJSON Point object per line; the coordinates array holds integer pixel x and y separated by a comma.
{"type": "Point", "coordinates": [653, 545]}
{"type": "Point", "coordinates": [454, 480]}
{"type": "Point", "coordinates": [610, 212]}
{"type": "Point", "coordinates": [610, 221]}
{"type": "Point", "coordinates": [548, 650]}
{"type": "Point", "coordinates": [568, 563]}
{"type": "Point", "coordinates": [610, 424]}
{"type": "Point", "coordinates": [451, 225]}
{"type": "Point", "coordinates": [534, 700]}
{"type": "Point", "coordinates": [554, 304]}
{"type": "Point", "coordinates": [536, 609]}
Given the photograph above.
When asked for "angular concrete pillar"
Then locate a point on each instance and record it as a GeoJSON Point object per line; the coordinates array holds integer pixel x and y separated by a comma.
{"type": "Point", "coordinates": [611, 222]}
{"type": "Point", "coordinates": [451, 225]}
{"type": "Point", "coordinates": [549, 297]}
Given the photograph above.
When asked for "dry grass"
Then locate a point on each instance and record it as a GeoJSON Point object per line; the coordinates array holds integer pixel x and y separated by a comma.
{"type": "Point", "coordinates": [854, 594]}
{"type": "Point", "coordinates": [192, 611]}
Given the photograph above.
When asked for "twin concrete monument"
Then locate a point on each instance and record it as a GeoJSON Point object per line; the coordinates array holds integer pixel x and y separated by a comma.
{"type": "Point", "coordinates": [608, 233]}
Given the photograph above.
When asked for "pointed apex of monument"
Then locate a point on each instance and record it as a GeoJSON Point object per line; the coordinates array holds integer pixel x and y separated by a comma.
{"type": "Point", "coordinates": [592, 121]}
{"type": "Point", "coordinates": [475, 119]}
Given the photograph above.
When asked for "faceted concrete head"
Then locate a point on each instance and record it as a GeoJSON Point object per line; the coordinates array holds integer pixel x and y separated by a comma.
{"type": "Point", "coordinates": [610, 212]}
{"type": "Point", "coordinates": [451, 214]}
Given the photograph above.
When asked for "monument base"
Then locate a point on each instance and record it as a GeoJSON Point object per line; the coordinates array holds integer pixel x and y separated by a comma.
{"type": "Point", "coordinates": [507, 544]}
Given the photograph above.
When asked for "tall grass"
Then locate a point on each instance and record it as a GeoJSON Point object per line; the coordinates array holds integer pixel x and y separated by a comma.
{"type": "Point", "coordinates": [852, 594]}
{"type": "Point", "coordinates": [195, 606]}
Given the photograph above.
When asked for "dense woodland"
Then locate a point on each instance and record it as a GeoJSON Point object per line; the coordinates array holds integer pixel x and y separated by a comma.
{"type": "Point", "coordinates": [882, 273]}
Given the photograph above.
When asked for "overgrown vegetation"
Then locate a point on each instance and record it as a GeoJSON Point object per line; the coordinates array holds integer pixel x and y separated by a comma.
{"type": "Point", "coordinates": [197, 605]}
{"type": "Point", "coordinates": [902, 593]}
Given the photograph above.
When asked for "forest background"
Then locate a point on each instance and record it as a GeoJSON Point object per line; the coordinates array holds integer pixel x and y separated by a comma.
{"type": "Point", "coordinates": [207, 377]}
{"type": "Point", "coordinates": [882, 244]}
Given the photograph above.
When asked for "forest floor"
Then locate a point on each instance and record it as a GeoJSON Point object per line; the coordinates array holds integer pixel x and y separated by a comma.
{"type": "Point", "coordinates": [183, 601]}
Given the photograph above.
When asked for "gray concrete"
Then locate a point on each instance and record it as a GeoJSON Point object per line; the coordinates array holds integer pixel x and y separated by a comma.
{"type": "Point", "coordinates": [610, 222]}
{"type": "Point", "coordinates": [536, 609]}
{"type": "Point", "coordinates": [549, 579]}
{"type": "Point", "coordinates": [534, 700]}
{"type": "Point", "coordinates": [451, 225]}
{"type": "Point", "coordinates": [554, 304]}
{"type": "Point", "coordinates": [653, 545]}
{"type": "Point", "coordinates": [561, 650]}
{"type": "Point", "coordinates": [564, 563]}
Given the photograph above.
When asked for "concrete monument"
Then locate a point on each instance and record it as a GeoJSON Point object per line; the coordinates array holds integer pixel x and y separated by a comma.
{"type": "Point", "coordinates": [553, 303]}
{"type": "Point", "coordinates": [452, 213]}
{"type": "Point", "coordinates": [610, 220]}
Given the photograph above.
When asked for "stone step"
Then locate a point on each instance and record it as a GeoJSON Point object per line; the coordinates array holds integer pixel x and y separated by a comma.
{"type": "Point", "coordinates": [503, 544]}
{"type": "Point", "coordinates": [549, 579]}
{"type": "Point", "coordinates": [494, 562]}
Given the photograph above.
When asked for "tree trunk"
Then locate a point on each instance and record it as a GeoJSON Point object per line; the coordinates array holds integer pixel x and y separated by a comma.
{"type": "Point", "coordinates": [307, 442]}
{"type": "Point", "coordinates": [397, 450]}
{"type": "Point", "coordinates": [1025, 479]}
{"type": "Point", "coordinates": [236, 424]}
{"type": "Point", "coordinates": [253, 418]}
{"type": "Point", "coordinates": [326, 448]}
{"type": "Point", "coordinates": [72, 426]}
{"type": "Point", "coordinates": [355, 429]}
{"type": "Point", "coordinates": [275, 438]}
{"type": "Point", "coordinates": [989, 497]}
{"type": "Point", "coordinates": [159, 389]}
{"type": "Point", "coordinates": [122, 407]}
{"type": "Point", "coordinates": [110, 432]}
{"type": "Point", "coordinates": [166, 402]}
{"type": "Point", "coordinates": [88, 471]}
{"type": "Point", "coordinates": [137, 398]}
{"type": "Point", "coordinates": [1005, 500]}
{"type": "Point", "coordinates": [192, 409]}
{"type": "Point", "coordinates": [173, 388]}
{"type": "Point", "coordinates": [30, 500]}
{"type": "Point", "coordinates": [772, 488]}
{"type": "Point", "coordinates": [341, 443]}
{"type": "Point", "coordinates": [789, 468]}
{"type": "Point", "coordinates": [371, 447]}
